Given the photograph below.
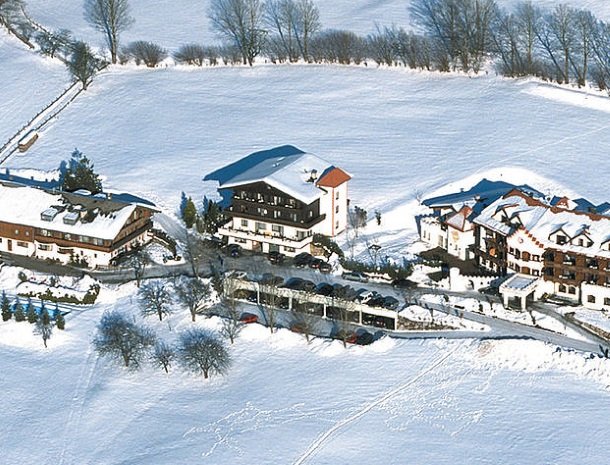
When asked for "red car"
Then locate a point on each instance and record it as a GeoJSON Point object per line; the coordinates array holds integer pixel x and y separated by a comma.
{"type": "Point", "coordinates": [248, 318]}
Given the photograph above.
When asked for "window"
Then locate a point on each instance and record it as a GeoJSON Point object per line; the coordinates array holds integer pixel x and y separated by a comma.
{"type": "Point", "coordinates": [288, 249]}
{"type": "Point", "coordinates": [572, 290]}
{"type": "Point", "coordinates": [244, 223]}
{"type": "Point", "coordinates": [22, 244]}
{"type": "Point", "coordinates": [337, 225]}
{"type": "Point", "coordinates": [278, 229]}
{"type": "Point", "coordinates": [337, 195]}
{"type": "Point", "coordinates": [591, 299]}
{"type": "Point", "coordinates": [607, 301]}
{"type": "Point", "coordinates": [16, 232]}
{"type": "Point", "coordinates": [260, 226]}
{"type": "Point", "coordinates": [561, 239]}
{"type": "Point", "coordinates": [337, 209]}
{"type": "Point", "coordinates": [44, 247]}
{"type": "Point", "coordinates": [562, 288]}
{"type": "Point", "coordinates": [67, 236]}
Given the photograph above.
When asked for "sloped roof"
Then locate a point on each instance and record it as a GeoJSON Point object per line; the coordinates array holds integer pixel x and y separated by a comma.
{"type": "Point", "coordinates": [333, 177]}
{"type": "Point", "coordinates": [24, 205]}
{"type": "Point", "coordinates": [459, 220]}
{"type": "Point", "coordinates": [286, 168]}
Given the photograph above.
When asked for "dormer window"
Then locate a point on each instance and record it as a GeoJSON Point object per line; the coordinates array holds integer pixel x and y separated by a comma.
{"type": "Point", "coordinates": [561, 239]}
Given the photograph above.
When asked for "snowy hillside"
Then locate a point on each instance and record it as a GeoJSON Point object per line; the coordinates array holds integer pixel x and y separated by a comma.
{"type": "Point", "coordinates": [21, 100]}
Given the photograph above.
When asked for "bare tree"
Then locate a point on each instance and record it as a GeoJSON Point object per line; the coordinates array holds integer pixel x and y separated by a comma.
{"type": "Point", "coordinates": [193, 293]}
{"type": "Point", "coordinates": [51, 43]}
{"type": "Point", "coordinates": [110, 17]}
{"type": "Point", "coordinates": [304, 323]}
{"type": "Point", "coordinates": [231, 325]}
{"type": "Point", "coordinates": [191, 54]}
{"type": "Point", "coordinates": [163, 355]}
{"type": "Point", "coordinates": [139, 261]}
{"type": "Point", "coordinates": [83, 64]}
{"type": "Point", "coordinates": [201, 351]}
{"type": "Point", "coordinates": [155, 299]}
{"type": "Point", "coordinates": [269, 303]}
{"type": "Point", "coordinates": [121, 338]}
{"type": "Point", "coordinates": [241, 22]}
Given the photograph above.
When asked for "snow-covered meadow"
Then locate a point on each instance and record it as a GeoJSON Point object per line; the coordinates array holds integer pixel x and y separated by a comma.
{"type": "Point", "coordinates": [29, 82]}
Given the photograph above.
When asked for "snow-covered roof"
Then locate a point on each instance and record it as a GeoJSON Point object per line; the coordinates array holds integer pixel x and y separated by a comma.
{"type": "Point", "coordinates": [25, 206]}
{"type": "Point", "coordinates": [286, 168]}
{"type": "Point", "coordinates": [542, 221]}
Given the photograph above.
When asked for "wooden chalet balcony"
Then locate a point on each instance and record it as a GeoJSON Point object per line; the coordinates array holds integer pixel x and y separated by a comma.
{"type": "Point", "coordinates": [299, 223]}
{"type": "Point", "coordinates": [266, 236]}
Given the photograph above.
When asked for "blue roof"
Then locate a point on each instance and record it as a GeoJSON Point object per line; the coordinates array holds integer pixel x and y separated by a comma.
{"type": "Point", "coordinates": [485, 192]}
{"type": "Point", "coordinates": [227, 173]}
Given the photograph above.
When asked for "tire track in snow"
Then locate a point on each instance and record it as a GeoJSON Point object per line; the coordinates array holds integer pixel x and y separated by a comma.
{"type": "Point", "coordinates": [322, 439]}
{"type": "Point", "coordinates": [78, 402]}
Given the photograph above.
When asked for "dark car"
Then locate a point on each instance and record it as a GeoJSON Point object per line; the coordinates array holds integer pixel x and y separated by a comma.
{"type": "Point", "coordinates": [348, 336]}
{"type": "Point", "coordinates": [364, 338]}
{"type": "Point", "coordinates": [375, 301]}
{"type": "Point", "coordinates": [325, 267]}
{"type": "Point", "coordinates": [234, 250]}
{"type": "Point", "coordinates": [302, 260]}
{"type": "Point", "coordinates": [307, 286]}
{"type": "Point", "coordinates": [325, 289]}
{"type": "Point", "coordinates": [271, 279]}
{"type": "Point", "coordinates": [293, 283]}
{"type": "Point", "coordinates": [390, 302]}
{"type": "Point", "coordinates": [404, 283]}
{"type": "Point", "coordinates": [248, 318]}
{"type": "Point", "coordinates": [276, 257]}
{"type": "Point", "coordinates": [315, 263]}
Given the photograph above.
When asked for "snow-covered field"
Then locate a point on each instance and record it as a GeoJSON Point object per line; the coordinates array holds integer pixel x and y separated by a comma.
{"type": "Point", "coordinates": [29, 82]}
{"type": "Point", "coordinates": [395, 402]}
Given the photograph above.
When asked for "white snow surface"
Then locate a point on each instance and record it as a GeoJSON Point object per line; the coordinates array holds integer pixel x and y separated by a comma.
{"type": "Point", "coordinates": [29, 82]}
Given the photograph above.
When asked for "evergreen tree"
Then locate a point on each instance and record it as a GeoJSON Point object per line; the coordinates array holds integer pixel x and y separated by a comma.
{"type": "Point", "coordinates": [30, 313]}
{"type": "Point", "coordinates": [60, 321]}
{"type": "Point", "coordinates": [44, 326]}
{"type": "Point", "coordinates": [79, 174]}
{"type": "Point", "coordinates": [183, 201]}
{"type": "Point", "coordinates": [5, 304]}
{"type": "Point", "coordinates": [18, 310]}
{"type": "Point", "coordinates": [190, 213]}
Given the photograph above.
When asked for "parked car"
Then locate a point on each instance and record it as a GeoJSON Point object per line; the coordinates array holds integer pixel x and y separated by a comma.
{"type": "Point", "coordinates": [325, 289]}
{"type": "Point", "coordinates": [276, 257]}
{"type": "Point", "coordinates": [364, 295]}
{"type": "Point", "coordinates": [234, 250]}
{"type": "Point", "coordinates": [363, 337]}
{"type": "Point", "coordinates": [302, 260]}
{"type": "Point", "coordinates": [307, 286]}
{"type": "Point", "coordinates": [404, 283]}
{"type": "Point", "coordinates": [271, 280]}
{"type": "Point", "coordinates": [348, 336]}
{"type": "Point", "coordinates": [248, 318]}
{"type": "Point", "coordinates": [355, 276]}
{"type": "Point", "coordinates": [375, 301]}
{"type": "Point", "coordinates": [390, 303]}
{"type": "Point", "coordinates": [325, 267]}
{"type": "Point", "coordinates": [315, 263]}
{"type": "Point", "coordinates": [293, 283]}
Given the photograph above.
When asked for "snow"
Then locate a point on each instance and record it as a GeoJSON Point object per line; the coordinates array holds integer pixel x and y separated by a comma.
{"type": "Point", "coordinates": [21, 100]}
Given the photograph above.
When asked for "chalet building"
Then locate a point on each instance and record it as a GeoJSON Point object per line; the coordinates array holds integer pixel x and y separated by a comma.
{"type": "Point", "coordinates": [279, 198]}
{"type": "Point", "coordinates": [451, 227]}
{"type": "Point", "coordinates": [552, 249]}
{"type": "Point", "coordinates": [71, 227]}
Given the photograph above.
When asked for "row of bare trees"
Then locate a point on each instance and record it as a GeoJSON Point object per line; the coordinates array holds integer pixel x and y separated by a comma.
{"type": "Point", "coordinates": [564, 44]}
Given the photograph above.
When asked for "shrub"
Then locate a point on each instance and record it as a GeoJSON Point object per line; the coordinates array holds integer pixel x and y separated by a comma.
{"type": "Point", "coordinates": [149, 53]}
{"type": "Point", "coordinates": [190, 54]}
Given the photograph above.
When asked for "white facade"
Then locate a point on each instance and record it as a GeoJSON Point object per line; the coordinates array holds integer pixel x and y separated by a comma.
{"type": "Point", "coordinates": [525, 253]}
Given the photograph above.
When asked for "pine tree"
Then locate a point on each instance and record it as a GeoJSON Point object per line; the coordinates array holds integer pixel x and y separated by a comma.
{"type": "Point", "coordinates": [183, 201]}
{"type": "Point", "coordinates": [30, 313]}
{"type": "Point", "coordinates": [190, 213]}
{"type": "Point", "coordinates": [18, 310]}
{"type": "Point", "coordinates": [6, 307]}
{"type": "Point", "coordinates": [60, 321]}
{"type": "Point", "coordinates": [80, 175]}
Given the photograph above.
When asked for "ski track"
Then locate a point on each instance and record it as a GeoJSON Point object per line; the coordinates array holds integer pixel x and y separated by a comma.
{"type": "Point", "coordinates": [78, 403]}
{"type": "Point", "coordinates": [322, 439]}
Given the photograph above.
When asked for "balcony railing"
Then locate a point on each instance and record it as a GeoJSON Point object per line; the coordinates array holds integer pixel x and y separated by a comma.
{"type": "Point", "coordinates": [265, 236]}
